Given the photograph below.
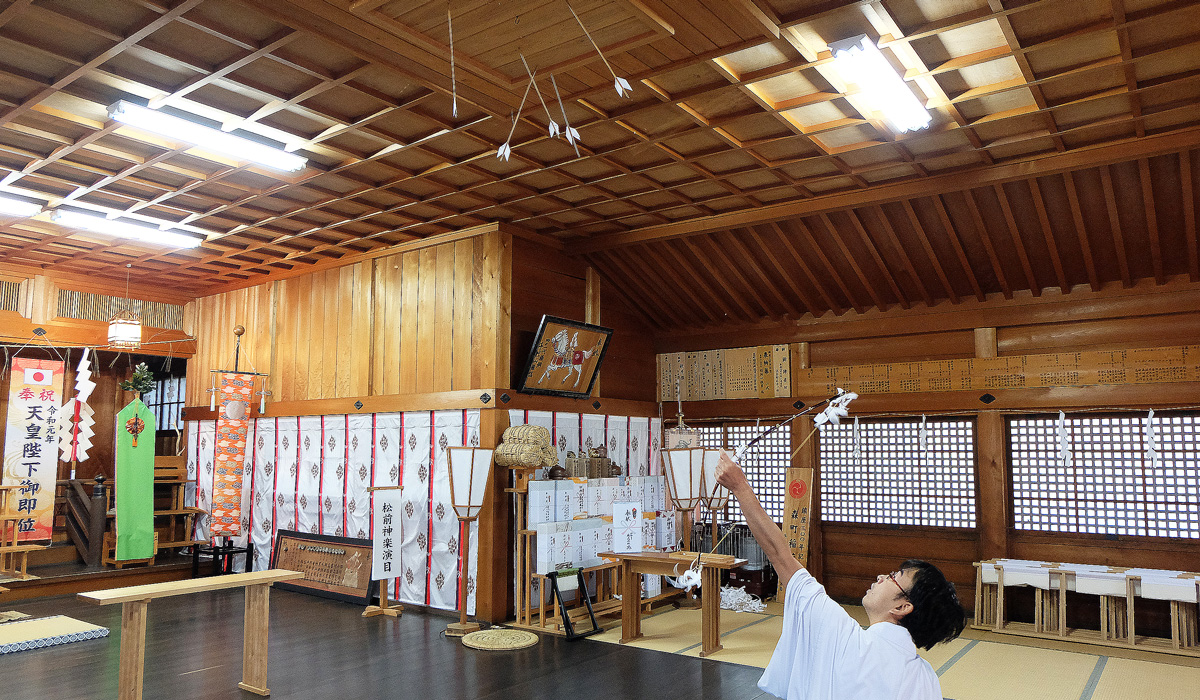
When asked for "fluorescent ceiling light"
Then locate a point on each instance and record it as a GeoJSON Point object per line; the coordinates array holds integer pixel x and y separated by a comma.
{"type": "Point", "coordinates": [123, 229]}
{"type": "Point", "coordinates": [207, 138]}
{"type": "Point", "coordinates": [18, 207]}
{"type": "Point", "coordinates": [860, 62]}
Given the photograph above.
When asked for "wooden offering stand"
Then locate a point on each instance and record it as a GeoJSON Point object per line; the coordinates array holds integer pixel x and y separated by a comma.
{"type": "Point", "coordinates": [135, 601]}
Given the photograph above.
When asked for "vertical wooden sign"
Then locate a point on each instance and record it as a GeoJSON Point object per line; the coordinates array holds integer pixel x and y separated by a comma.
{"type": "Point", "coordinates": [797, 511]}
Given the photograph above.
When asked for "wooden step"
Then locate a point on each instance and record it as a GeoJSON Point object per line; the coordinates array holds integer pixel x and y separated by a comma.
{"type": "Point", "coordinates": [58, 553]}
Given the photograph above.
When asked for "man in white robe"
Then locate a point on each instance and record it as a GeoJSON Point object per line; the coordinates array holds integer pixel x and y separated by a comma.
{"type": "Point", "coordinates": [823, 653]}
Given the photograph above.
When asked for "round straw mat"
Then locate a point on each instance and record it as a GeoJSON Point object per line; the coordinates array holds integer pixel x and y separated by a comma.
{"type": "Point", "coordinates": [500, 639]}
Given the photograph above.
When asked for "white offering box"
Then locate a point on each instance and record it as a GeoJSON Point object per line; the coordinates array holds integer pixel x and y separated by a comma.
{"type": "Point", "coordinates": [541, 503]}
{"type": "Point", "coordinates": [649, 531]}
{"type": "Point", "coordinates": [595, 499]}
{"type": "Point", "coordinates": [578, 492]}
{"type": "Point", "coordinates": [651, 585]}
{"type": "Point", "coordinates": [665, 538]}
{"type": "Point", "coordinates": [607, 535]}
{"type": "Point", "coordinates": [625, 493]}
{"type": "Point", "coordinates": [608, 487]}
{"type": "Point", "coordinates": [547, 546]}
{"type": "Point", "coordinates": [627, 526]}
{"type": "Point", "coordinates": [562, 499]}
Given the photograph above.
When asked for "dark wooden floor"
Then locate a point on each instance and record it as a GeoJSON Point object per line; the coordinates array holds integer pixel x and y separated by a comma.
{"type": "Point", "coordinates": [323, 650]}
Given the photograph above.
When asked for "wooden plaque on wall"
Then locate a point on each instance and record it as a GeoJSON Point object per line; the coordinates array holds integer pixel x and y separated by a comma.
{"type": "Point", "coordinates": [334, 567]}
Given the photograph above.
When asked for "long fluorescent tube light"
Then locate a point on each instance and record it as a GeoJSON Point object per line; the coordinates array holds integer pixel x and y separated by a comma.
{"type": "Point", "coordinates": [18, 207]}
{"type": "Point", "coordinates": [123, 229]}
{"type": "Point", "coordinates": [860, 62]}
{"type": "Point", "coordinates": [207, 138]}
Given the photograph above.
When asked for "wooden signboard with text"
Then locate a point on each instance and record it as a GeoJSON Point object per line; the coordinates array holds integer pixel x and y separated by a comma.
{"type": "Point", "coordinates": [334, 567]}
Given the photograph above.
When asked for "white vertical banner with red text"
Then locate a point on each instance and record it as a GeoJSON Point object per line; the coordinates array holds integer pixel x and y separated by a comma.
{"type": "Point", "coordinates": [31, 446]}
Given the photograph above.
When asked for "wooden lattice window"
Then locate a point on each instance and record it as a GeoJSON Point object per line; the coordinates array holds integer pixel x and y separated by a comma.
{"type": "Point", "coordinates": [884, 475]}
{"type": "Point", "coordinates": [165, 401]}
{"type": "Point", "coordinates": [764, 464]}
{"type": "Point", "coordinates": [1108, 484]}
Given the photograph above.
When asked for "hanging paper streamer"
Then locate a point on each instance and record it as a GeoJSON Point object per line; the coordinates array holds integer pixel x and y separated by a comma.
{"type": "Point", "coordinates": [1064, 441]}
{"type": "Point", "coordinates": [76, 418]}
{"type": "Point", "coordinates": [621, 85]}
{"type": "Point", "coordinates": [923, 436]}
{"type": "Point", "coordinates": [857, 454]}
{"type": "Point", "coordinates": [35, 390]}
{"type": "Point", "coordinates": [232, 424]}
{"type": "Point", "coordinates": [135, 482]}
{"type": "Point", "coordinates": [1151, 439]}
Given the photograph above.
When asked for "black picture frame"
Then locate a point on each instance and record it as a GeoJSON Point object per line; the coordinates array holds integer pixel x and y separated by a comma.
{"type": "Point", "coordinates": [575, 340]}
{"type": "Point", "coordinates": [312, 583]}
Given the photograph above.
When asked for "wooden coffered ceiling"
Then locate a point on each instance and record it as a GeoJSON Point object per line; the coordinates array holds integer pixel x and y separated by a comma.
{"type": "Point", "coordinates": [742, 180]}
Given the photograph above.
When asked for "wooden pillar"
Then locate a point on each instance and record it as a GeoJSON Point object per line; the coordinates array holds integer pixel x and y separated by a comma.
{"type": "Point", "coordinates": [254, 643]}
{"type": "Point", "coordinates": [992, 474]}
{"type": "Point", "coordinates": [591, 310]}
{"type": "Point", "coordinates": [801, 428]}
{"type": "Point", "coordinates": [133, 650]}
{"type": "Point", "coordinates": [494, 575]}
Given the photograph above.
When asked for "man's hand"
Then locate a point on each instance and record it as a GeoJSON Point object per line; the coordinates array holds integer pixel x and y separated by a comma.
{"type": "Point", "coordinates": [729, 474]}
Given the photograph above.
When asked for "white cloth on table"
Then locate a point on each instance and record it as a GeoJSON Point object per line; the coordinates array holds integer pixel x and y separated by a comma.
{"type": "Point", "coordinates": [823, 654]}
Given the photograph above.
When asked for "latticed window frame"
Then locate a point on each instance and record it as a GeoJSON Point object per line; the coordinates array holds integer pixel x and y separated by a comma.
{"type": "Point", "coordinates": [1109, 488]}
{"type": "Point", "coordinates": [912, 491]}
{"type": "Point", "coordinates": [764, 465]}
{"type": "Point", "coordinates": [168, 413]}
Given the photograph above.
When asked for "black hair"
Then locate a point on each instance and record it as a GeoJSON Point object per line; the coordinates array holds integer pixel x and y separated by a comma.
{"type": "Point", "coordinates": [936, 615]}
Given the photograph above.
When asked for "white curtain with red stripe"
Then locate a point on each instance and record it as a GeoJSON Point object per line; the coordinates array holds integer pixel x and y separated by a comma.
{"type": "Point", "coordinates": [416, 448]}
{"type": "Point", "coordinates": [262, 501]}
{"type": "Point", "coordinates": [312, 474]}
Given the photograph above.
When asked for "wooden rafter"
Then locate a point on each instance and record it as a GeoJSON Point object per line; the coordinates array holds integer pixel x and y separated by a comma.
{"type": "Point", "coordinates": [1085, 246]}
{"type": "Point", "coordinates": [1048, 235]}
{"type": "Point", "coordinates": [1114, 222]}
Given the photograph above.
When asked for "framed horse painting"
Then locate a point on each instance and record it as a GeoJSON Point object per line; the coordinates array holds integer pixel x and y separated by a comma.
{"type": "Point", "coordinates": [565, 358]}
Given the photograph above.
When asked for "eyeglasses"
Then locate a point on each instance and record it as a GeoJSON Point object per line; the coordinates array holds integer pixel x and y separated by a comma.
{"type": "Point", "coordinates": [892, 577]}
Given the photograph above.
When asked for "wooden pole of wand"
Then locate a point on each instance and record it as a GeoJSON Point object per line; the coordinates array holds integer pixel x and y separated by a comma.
{"type": "Point", "coordinates": [805, 441]}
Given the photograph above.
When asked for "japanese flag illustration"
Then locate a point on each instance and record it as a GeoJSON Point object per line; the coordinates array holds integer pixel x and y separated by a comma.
{"type": "Point", "coordinates": [38, 376]}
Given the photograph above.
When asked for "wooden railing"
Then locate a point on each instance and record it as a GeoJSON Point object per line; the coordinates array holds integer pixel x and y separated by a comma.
{"type": "Point", "coordinates": [86, 517]}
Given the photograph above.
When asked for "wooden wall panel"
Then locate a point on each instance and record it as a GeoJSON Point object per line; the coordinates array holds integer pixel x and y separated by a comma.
{"type": "Point", "coordinates": [408, 323]}
{"type": "Point", "coordinates": [547, 282]}
{"type": "Point", "coordinates": [215, 343]}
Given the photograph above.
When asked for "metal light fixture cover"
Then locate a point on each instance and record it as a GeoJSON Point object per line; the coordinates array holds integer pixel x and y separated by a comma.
{"type": "Point", "coordinates": [685, 475]}
{"type": "Point", "coordinates": [714, 495]}
{"type": "Point", "coordinates": [470, 469]}
{"type": "Point", "coordinates": [861, 63]}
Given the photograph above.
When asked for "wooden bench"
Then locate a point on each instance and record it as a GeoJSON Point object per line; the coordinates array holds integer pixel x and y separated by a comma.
{"type": "Point", "coordinates": [136, 599]}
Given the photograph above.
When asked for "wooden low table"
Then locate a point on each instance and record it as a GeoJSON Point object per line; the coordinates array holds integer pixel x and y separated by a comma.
{"type": "Point", "coordinates": [136, 599]}
{"type": "Point", "coordinates": [672, 564]}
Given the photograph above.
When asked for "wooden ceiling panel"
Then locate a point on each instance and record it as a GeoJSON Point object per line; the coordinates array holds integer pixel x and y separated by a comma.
{"type": "Point", "coordinates": [724, 119]}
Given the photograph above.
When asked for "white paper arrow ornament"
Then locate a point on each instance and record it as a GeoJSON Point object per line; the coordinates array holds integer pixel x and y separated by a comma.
{"type": "Point", "coordinates": [923, 436]}
{"type": "Point", "coordinates": [553, 124]}
{"type": "Point", "coordinates": [453, 81]}
{"type": "Point", "coordinates": [505, 149]}
{"type": "Point", "coordinates": [621, 84]}
{"type": "Point", "coordinates": [569, 131]}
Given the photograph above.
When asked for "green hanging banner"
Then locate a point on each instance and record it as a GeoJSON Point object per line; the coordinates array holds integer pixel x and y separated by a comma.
{"type": "Point", "coordinates": [135, 482]}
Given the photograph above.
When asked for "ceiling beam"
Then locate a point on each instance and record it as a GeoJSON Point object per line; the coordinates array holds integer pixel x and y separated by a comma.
{"type": "Point", "coordinates": [1085, 157]}
{"type": "Point", "coordinates": [1085, 246]}
{"type": "Point", "coordinates": [1114, 223]}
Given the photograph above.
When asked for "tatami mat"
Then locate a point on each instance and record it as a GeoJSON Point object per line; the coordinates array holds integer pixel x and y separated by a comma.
{"type": "Point", "coordinates": [1125, 679]}
{"type": "Point", "coordinates": [978, 665]}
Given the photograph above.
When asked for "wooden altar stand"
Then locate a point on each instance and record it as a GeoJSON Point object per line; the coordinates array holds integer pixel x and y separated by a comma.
{"type": "Point", "coordinates": [672, 564]}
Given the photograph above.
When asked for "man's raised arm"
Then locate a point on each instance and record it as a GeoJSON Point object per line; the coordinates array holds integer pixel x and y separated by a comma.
{"type": "Point", "coordinates": [768, 535]}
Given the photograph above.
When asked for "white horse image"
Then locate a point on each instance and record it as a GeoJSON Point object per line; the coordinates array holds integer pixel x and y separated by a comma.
{"type": "Point", "coordinates": [567, 356]}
